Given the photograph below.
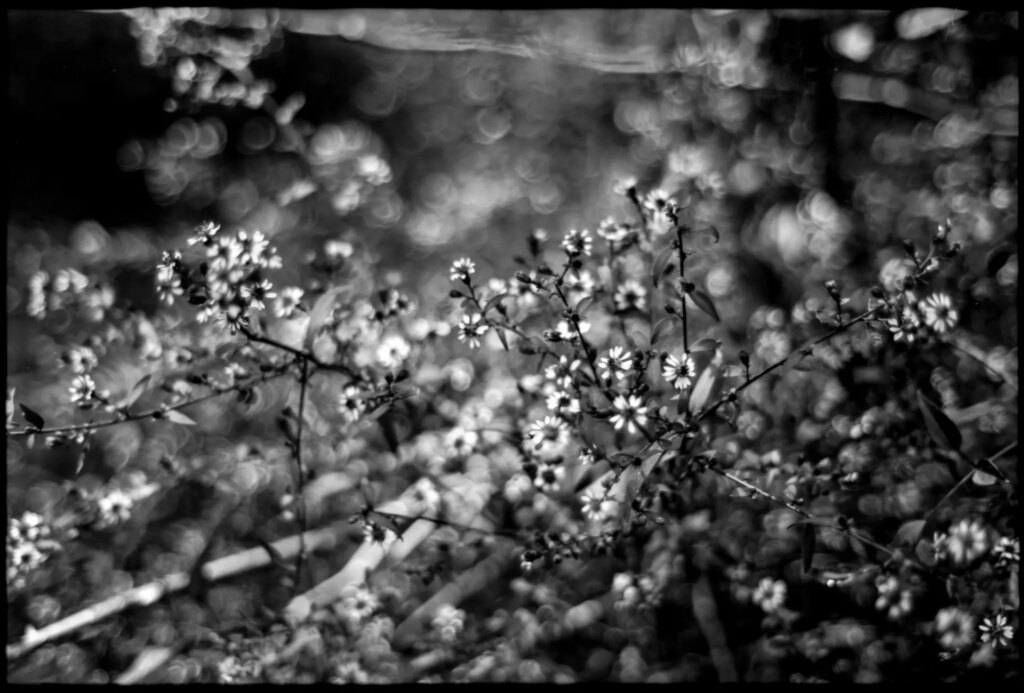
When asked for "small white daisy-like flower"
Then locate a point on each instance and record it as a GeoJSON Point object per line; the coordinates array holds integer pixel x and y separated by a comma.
{"type": "Point", "coordinates": [679, 372]}
{"type": "Point", "coordinates": [967, 541]}
{"type": "Point", "coordinates": [996, 629]}
{"type": "Point", "coordinates": [204, 233]}
{"type": "Point", "coordinates": [81, 359]}
{"type": "Point", "coordinates": [462, 269]}
{"type": "Point", "coordinates": [82, 389]}
{"type": "Point", "coordinates": [586, 456]}
{"type": "Point", "coordinates": [954, 627]}
{"type": "Point", "coordinates": [257, 293]}
{"type": "Point", "coordinates": [579, 284]}
{"type": "Point", "coordinates": [393, 350]}
{"type": "Point", "coordinates": [549, 432]}
{"type": "Point", "coordinates": [233, 317]}
{"type": "Point", "coordinates": [448, 622]}
{"type": "Point", "coordinates": [904, 326]}
{"type": "Point", "coordinates": [630, 294]}
{"type": "Point", "coordinates": [568, 333]}
{"type": "Point", "coordinates": [577, 243]}
{"type": "Point", "coordinates": [561, 373]}
{"type": "Point", "coordinates": [287, 301]}
{"type": "Point", "coordinates": [613, 232]}
{"type": "Point", "coordinates": [597, 508]}
{"type": "Point", "coordinates": [629, 412]}
{"type": "Point", "coordinates": [549, 476]}
{"type": "Point", "coordinates": [769, 594]}
{"type": "Point", "coordinates": [461, 441]}
{"type": "Point", "coordinates": [939, 313]}
{"type": "Point", "coordinates": [617, 363]}
{"type": "Point", "coordinates": [350, 404]}
{"type": "Point", "coordinates": [1007, 550]}
{"type": "Point", "coordinates": [115, 507]}
{"type": "Point", "coordinates": [563, 401]}
{"type": "Point", "coordinates": [471, 328]}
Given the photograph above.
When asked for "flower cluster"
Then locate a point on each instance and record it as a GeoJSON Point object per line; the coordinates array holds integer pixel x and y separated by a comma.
{"type": "Point", "coordinates": [448, 622]}
{"type": "Point", "coordinates": [29, 545]}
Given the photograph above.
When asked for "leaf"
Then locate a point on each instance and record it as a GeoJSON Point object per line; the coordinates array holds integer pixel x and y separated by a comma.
{"type": "Point", "coordinates": [638, 338]}
{"type": "Point", "coordinates": [983, 478]}
{"type": "Point", "coordinates": [137, 390]}
{"type": "Point", "coordinates": [996, 258]}
{"type": "Point", "coordinates": [388, 521]}
{"type": "Point", "coordinates": [714, 233]}
{"type": "Point", "coordinates": [321, 311]}
{"type": "Point", "coordinates": [32, 417]}
{"type": "Point", "coordinates": [659, 265]}
{"type": "Point", "coordinates": [705, 345]}
{"type": "Point", "coordinates": [702, 301]}
{"type": "Point", "coordinates": [807, 542]}
{"type": "Point", "coordinates": [925, 553]}
{"type": "Point", "coordinates": [659, 328]}
{"type": "Point", "coordinates": [943, 431]}
{"type": "Point", "coordinates": [583, 304]}
{"type": "Point", "coordinates": [909, 533]}
{"type": "Point", "coordinates": [703, 389]}
{"type": "Point", "coordinates": [493, 302]}
{"type": "Point", "coordinates": [501, 337]}
{"type": "Point", "coordinates": [177, 417]}
{"type": "Point", "coordinates": [925, 21]}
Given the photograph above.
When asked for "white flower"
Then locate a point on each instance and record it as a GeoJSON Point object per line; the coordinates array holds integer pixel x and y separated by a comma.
{"type": "Point", "coordinates": [629, 412]}
{"type": "Point", "coordinates": [257, 293]}
{"type": "Point", "coordinates": [577, 242]}
{"type": "Point", "coordinates": [966, 542]}
{"type": "Point", "coordinates": [393, 350]}
{"type": "Point", "coordinates": [461, 269]}
{"type": "Point", "coordinates": [616, 364]}
{"type": "Point", "coordinates": [549, 432]}
{"type": "Point", "coordinates": [470, 329]}
{"type": "Point", "coordinates": [350, 404]}
{"type": "Point", "coordinates": [679, 372]}
{"type": "Point", "coordinates": [613, 232]}
{"type": "Point", "coordinates": [1007, 551]}
{"type": "Point", "coordinates": [770, 594]}
{"type": "Point", "coordinates": [563, 401]}
{"type": "Point", "coordinates": [549, 477]}
{"type": "Point", "coordinates": [630, 294]}
{"type": "Point", "coordinates": [939, 313]}
{"type": "Point", "coordinates": [448, 622]}
{"type": "Point", "coordinates": [954, 627]}
{"type": "Point", "coordinates": [288, 301]}
{"type": "Point", "coordinates": [596, 507]}
{"type": "Point", "coordinates": [568, 333]}
{"type": "Point", "coordinates": [204, 233]}
{"type": "Point", "coordinates": [461, 441]}
{"type": "Point", "coordinates": [996, 629]}
{"type": "Point", "coordinates": [561, 373]}
{"type": "Point", "coordinates": [82, 389]}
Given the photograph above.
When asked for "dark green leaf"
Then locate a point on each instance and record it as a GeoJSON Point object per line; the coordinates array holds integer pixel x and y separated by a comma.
{"type": "Point", "coordinates": [704, 302]}
{"type": "Point", "coordinates": [807, 542]}
{"type": "Point", "coordinates": [501, 337]}
{"type": "Point", "coordinates": [996, 258]}
{"type": "Point", "coordinates": [321, 311]}
{"type": "Point", "coordinates": [705, 345]}
{"type": "Point", "coordinates": [659, 265]}
{"type": "Point", "coordinates": [177, 417]}
{"type": "Point", "coordinates": [943, 431]}
{"type": "Point", "coordinates": [378, 412]}
{"type": "Point", "coordinates": [494, 301]}
{"type": "Point", "coordinates": [32, 417]}
{"type": "Point", "coordinates": [660, 328]}
{"type": "Point", "coordinates": [583, 304]}
{"type": "Point", "coordinates": [910, 533]}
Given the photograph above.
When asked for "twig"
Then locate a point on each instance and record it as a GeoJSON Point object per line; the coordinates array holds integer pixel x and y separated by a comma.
{"type": "Point", "coordinates": [300, 499]}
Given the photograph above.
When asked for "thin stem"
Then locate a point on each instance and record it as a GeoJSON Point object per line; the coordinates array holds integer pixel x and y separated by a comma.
{"type": "Point", "coordinates": [300, 505]}
{"type": "Point", "coordinates": [150, 414]}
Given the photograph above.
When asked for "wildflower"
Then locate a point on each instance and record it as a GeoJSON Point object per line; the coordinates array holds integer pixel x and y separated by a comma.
{"type": "Point", "coordinates": [393, 350]}
{"type": "Point", "coordinates": [82, 389]}
{"type": "Point", "coordinates": [561, 373]}
{"type": "Point", "coordinates": [81, 359]}
{"type": "Point", "coordinates": [579, 284]}
{"type": "Point", "coordinates": [561, 401]}
{"type": "Point", "coordinates": [586, 456]}
{"type": "Point", "coordinates": [613, 232]}
{"type": "Point", "coordinates": [679, 372]}
{"type": "Point", "coordinates": [461, 269]}
{"type": "Point", "coordinates": [629, 412]}
{"type": "Point", "coordinates": [336, 250]}
{"type": "Point", "coordinates": [904, 325]}
{"type": "Point", "coordinates": [204, 233]}
{"type": "Point", "coordinates": [357, 605]}
{"type": "Point", "coordinates": [257, 293]}
{"type": "Point", "coordinates": [596, 507]}
{"type": "Point", "coordinates": [287, 301]}
{"type": "Point", "coordinates": [616, 364]}
{"type": "Point", "coordinates": [470, 329]}
{"type": "Point", "coordinates": [549, 432]}
{"type": "Point", "coordinates": [624, 586]}
{"type": "Point", "coordinates": [549, 477]}
{"type": "Point", "coordinates": [769, 594]}
{"type": "Point", "coordinates": [954, 627]}
{"type": "Point", "coordinates": [567, 333]}
{"type": "Point", "coordinates": [967, 541]}
{"type": "Point", "coordinates": [114, 508]}
{"type": "Point", "coordinates": [630, 294]}
{"type": "Point", "coordinates": [1007, 551]}
{"type": "Point", "coordinates": [891, 598]}
{"type": "Point", "coordinates": [939, 313]}
{"type": "Point", "coordinates": [233, 317]}
{"type": "Point", "coordinates": [461, 441]}
{"type": "Point", "coordinates": [577, 243]}
{"type": "Point", "coordinates": [448, 622]}
{"type": "Point", "coordinates": [253, 247]}
{"type": "Point", "coordinates": [351, 404]}
{"type": "Point", "coordinates": [997, 630]}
